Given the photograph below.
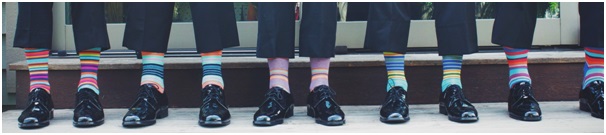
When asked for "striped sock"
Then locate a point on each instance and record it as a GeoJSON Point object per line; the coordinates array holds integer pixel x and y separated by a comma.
{"type": "Point", "coordinates": [37, 63]}
{"type": "Point", "coordinates": [319, 72]}
{"type": "Point", "coordinates": [89, 63]}
{"type": "Point", "coordinates": [452, 70]}
{"type": "Point", "coordinates": [211, 68]}
{"type": "Point", "coordinates": [594, 65]}
{"type": "Point", "coordinates": [153, 70]}
{"type": "Point", "coordinates": [394, 62]}
{"type": "Point", "coordinates": [278, 73]}
{"type": "Point", "coordinates": [518, 65]}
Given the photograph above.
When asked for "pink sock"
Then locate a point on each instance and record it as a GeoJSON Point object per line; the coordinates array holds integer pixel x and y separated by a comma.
{"type": "Point", "coordinates": [319, 72]}
{"type": "Point", "coordinates": [278, 73]}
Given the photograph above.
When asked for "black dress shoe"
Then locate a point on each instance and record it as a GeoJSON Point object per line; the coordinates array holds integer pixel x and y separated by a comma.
{"type": "Point", "coordinates": [322, 106]}
{"type": "Point", "coordinates": [521, 103]}
{"type": "Point", "coordinates": [395, 108]}
{"type": "Point", "coordinates": [277, 106]}
{"type": "Point", "coordinates": [88, 111]}
{"type": "Point", "coordinates": [39, 110]}
{"type": "Point", "coordinates": [213, 111]}
{"type": "Point", "coordinates": [149, 106]}
{"type": "Point", "coordinates": [454, 104]}
{"type": "Point", "coordinates": [591, 99]}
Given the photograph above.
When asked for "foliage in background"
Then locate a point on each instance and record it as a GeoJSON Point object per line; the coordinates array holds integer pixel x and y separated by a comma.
{"type": "Point", "coordinates": [114, 12]}
{"type": "Point", "coordinates": [485, 10]}
{"type": "Point", "coordinates": [182, 12]}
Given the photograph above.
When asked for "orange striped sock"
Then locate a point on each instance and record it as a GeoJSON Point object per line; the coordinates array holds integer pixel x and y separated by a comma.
{"type": "Point", "coordinates": [594, 65]}
{"type": "Point", "coordinates": [37, 63]}
{"type": "Point", "coordinates": [89, 63]}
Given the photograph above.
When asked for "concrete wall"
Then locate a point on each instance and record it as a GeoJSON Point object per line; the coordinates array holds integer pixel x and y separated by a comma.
{"type": "Point", "coordinates": [9, 54]}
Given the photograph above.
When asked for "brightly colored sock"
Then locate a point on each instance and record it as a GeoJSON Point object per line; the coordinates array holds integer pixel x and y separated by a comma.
{"type": "Point", "coordinates": [211, 68]}
{"type": "Point", "coordinates": [452, 70]}
{"type": "Point", "coordinates": [37, 63]}
{"type": "Point", "coordinates": [278, 73]}
{"type": "Point", "coordinates": [394, 62]}
{"type": "Point", "coordinates": [89, 63]}
{"type": "Point", "coordinates": [153, 70]}
{"type": "Point", "coordinates": [319, 72]}
{"type": "Point", "coordinates": [518, 65]}
{"type": "Point", "coordinates": [594, 65]}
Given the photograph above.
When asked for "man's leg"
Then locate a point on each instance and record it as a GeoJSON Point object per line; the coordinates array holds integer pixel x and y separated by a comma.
{"type": "Point", "coordinates": [147, 30]}
{"type": "Point", "coordinates": [34, 34]}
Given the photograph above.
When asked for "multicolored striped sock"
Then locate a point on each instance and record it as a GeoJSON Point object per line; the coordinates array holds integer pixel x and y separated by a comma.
{"type": "Point", "coordinates": [211, 68]}
{"type": "Point", "coordinates": [319, 72]}
{"type": "Point", "coordinates": [89, 64]}
{"type": "Point", "coordinates": [153, 70]}
{"type": "Point", "coordinates": [37, 63]}
{"type": "Point", "coordinates": [594, 65]}
{"type": "Point", "coordinates": [452, 70]}
{"type": "Point", "coordinates": [518, 65]}
{"type": "Point", "coordinates": [278, 73]}
{"type": "Point", "coordinates": [394, 62]}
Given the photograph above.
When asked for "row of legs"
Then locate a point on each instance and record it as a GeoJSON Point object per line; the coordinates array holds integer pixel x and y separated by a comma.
{"type": "Point", "coordinates": [279, 103]}
{"type": "Point", "coordinates": [456, 37]}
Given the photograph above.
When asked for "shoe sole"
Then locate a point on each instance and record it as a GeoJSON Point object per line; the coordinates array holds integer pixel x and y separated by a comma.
{"type": "Point", "coordinates": [214, 123]}
{"type": "Point", "coordinates": [584, 106]}
{"type": "Point", "coordinates": [89, 124]}
{"type": "Point", "coordinates": [524, 118]}
{"type": "Point", "coordinates": [311, 113]}
{"type": "Point", "coordinates": [38, 124]}
{"type": "Point", "coordinates": [457, 119]}
{"type": "Point", "coordinates": [394, 120]}
{"type": "Point", "coordinates": [161, 113]}
{"type": "Point", "coordinates": [289, 113]}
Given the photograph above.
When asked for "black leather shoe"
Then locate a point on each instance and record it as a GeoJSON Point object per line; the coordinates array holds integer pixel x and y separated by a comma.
{"type": "Point", "coordinates": [39, 111]}
{"type": "Point", "coordinates": [213, 111]}
{"type": "Point", "coordinates": [395, 108]}
{"type": "Point", "coordinates": [591, 99]}
{"type": "Point", "coordinates": [454, 104]}
{"type": "Point", "coordinates": [149, 106]}
{"type": "Point", "coordinates": [521, 103]}
{"type": "Point", "coordinates": [277, 106]}
{"type": "Point", "coordinates": [322, 106]}
{"type": "Point", "coordinates": [88, 111]}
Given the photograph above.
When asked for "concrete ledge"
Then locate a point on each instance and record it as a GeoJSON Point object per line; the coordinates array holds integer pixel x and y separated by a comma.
{"type": "Point", "coordinates": [349, 60]}
{"type": "Point", "coordinates": [558, 117]}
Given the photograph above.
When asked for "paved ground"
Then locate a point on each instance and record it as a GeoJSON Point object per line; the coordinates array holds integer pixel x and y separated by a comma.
{"type": "Point", "coordinates": [557, 117]}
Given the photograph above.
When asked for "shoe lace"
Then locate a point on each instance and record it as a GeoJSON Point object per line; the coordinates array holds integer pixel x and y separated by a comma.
{"type": "Point", "coordinates": [143, 96]}
{"type": "Point", "coordinates": [526, 92]}
{"type": "Point", "coordinates": [274, 93]}
{"type": "Point", "coordinates": [325, 93]}
{"type": "Point", "coordinates": [36, 98]}
{"type": "Point", "coordinates": [396, 95]}
{"type": "Point", "coordinates": [456, 95]}
{"type": "Point", "coordinates": [599, 90]}
{"type": "Point", "coordinates": [459, 99]}
{"type": "Point", "coordinates": [212, 93]}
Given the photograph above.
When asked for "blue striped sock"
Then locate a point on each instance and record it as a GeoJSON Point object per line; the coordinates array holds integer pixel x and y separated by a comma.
{"type": "Point", "coordinates": [211, 69]}
{"type": "Point", "coordinates": [394, 62]}
{"type": "Point", "coordinates": [153, 70]}
{"type": "Point", "coordinates": [452, 70]}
